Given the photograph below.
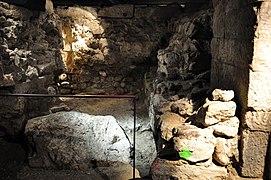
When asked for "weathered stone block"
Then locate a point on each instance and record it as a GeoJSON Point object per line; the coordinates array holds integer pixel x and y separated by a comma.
{"type": "Point", "coordinates": [253, 152]}
{"type": "Point", "coordinates": [75, 12]}
{"type": "Point", "coordinates": [183, 106]}
{"type": "Point", "coordinates": [262, 49]}
{"type": "Point", "coordinates": [231, 146]}
{"type": "Point", "coordinates": [258, 120]}
{"type": "Point", "coordinates": [219, 23]}
{"type": "Point", "coordinates": [220, 154]}
{"type": "Point", "coordinates": [265, 13]}
{"type": "Point", "coordinates": [263, 30]}
{"type": "Point", "coordinates": [200, 142]}
{"type": "Point", "coordinates": [239, 23]}
{"type": "Point", "coordinates": [168, 121]}
{"type": "Point", "coordinates": [164, 169]}
{"type": "Point", "coordinates": [259, 92]}
{"type": "Point", "coordinates": [158, 13]}
{"type": "Point", "coordinates": [232, 52]}
{"type": "Point", "coordinates": [117, 11]}
{"type": "Point", "coordinates": [260, 65]}
{"type": "Point", "coordinates": [222, 95]}
{"type": "Point", "coordinates": [215, 42]}
{"type": "Point", "coordinates": [228, 128]}
{"type": "Point", "coordinates": [213, 112]}
{"type": "Point", "coordinates": [234, 5]}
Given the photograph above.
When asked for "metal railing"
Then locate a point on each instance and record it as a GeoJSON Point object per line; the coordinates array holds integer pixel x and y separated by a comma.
{"type": "Point", "coordinates": [133, 97]}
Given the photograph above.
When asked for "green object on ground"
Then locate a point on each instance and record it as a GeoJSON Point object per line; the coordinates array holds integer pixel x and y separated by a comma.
{"type": "Point", "coordinates": [185, 153]}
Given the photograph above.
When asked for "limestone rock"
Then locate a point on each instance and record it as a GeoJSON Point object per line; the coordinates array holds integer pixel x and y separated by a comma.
{"type": "Point", "coordinates": [213, 112]}
{"type": "Point", "coordinates": [184, 107]}
{"type": "Point", "coordinates": [12, 116]}
{"type": "Point", "coordinates": [165, 169]}
{"type": "Point", "coordinates": [168, 121]}
{"type": "Point", "coordinates": [259, 84]}
{"type": "Point", "coordinates": [59, 138]}
{"type": "Point", "coordinates": [258, 120]}
{"type": "Point", "coordinates": [200, 142]}
{"type": "Point", "coordinates": [156, 104]}
{"type": "Point", "coordinates": [228, 128]}
{"type": "Point", "coordinates": [168, 63]}
{"type": "Point", "coordinates": [222, 95]}
{"type": "Point", "coordinates": [6, 80]}
{"type": "Point", "coordinates": [220, 154]}
{"type": "Point", "coordinates": [231, 146]}
{"type": "Point", "coordinates": [166, 107]}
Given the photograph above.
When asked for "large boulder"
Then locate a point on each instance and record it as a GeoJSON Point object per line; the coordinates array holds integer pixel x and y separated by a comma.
{"type": "Point", "coordinates": [73, 140]}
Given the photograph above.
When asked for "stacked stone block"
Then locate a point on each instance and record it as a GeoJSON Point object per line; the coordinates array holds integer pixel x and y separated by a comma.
{"type": "Point", "coordinates": [208, 140]}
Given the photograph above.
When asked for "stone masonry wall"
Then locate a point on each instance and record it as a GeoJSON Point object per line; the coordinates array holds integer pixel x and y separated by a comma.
{"type": "Point", "coordinates": [240, 62]}
{"type": "Point", "coordinates": [257, 124]}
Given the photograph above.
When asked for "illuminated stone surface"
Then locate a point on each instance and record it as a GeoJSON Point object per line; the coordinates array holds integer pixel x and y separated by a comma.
{"type": "Point", "coordinates": [73, 140]}
{"type": "Point", "coordinates": [166, 169]}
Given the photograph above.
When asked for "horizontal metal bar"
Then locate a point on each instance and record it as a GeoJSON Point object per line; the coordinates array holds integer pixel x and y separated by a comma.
{"type": "Point", "coordinates": [72, 96]}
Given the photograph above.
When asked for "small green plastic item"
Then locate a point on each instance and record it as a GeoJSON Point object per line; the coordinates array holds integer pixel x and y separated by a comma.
{"type": "Point", "coordinates": [185, 153]}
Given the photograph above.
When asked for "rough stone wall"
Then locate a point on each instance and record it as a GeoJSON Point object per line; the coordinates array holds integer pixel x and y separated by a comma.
{"type": "Point", "coordinates": [29, 57]}
{"type": "Point", "coordinates": [240, 62]}
{"type": "Point", "coordinates": [105, 51]}
{"type": "Point", "coordinates": [183, 73]}
{"type": "Point", "coordinates": [108, 50]}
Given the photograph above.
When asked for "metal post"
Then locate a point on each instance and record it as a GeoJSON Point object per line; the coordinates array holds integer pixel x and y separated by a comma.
{"type": "Point", "coordinates": [134, 139]}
